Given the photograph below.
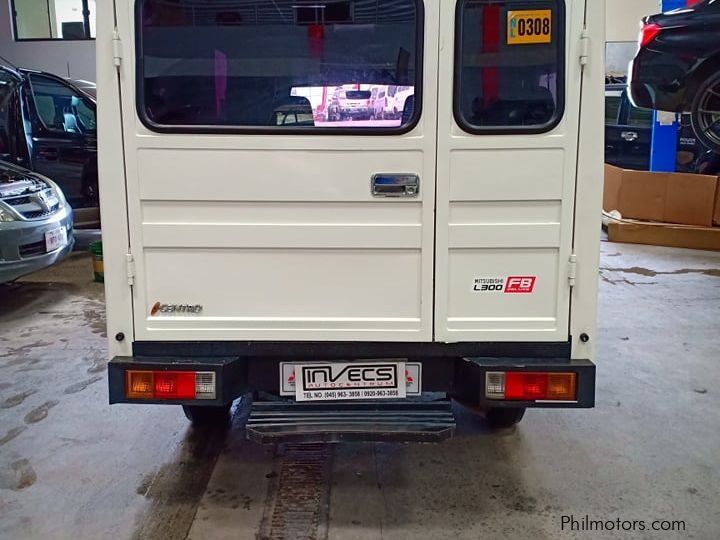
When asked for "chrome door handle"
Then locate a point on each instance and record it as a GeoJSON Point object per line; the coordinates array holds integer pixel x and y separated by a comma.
{"type": "Point", "coordinates": [395, 185]}
{"type": "Point", "coordinates": [629, 136]}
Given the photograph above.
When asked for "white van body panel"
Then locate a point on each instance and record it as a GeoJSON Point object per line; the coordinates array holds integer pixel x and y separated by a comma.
{"type": "Point", "coordinates": [279, 238]}
{"type": "Point", "coordinates": [588, 202]}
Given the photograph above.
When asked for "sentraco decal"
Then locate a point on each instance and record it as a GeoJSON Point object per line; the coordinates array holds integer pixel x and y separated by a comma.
{"type": "Point", "coordinates": [175, 309]}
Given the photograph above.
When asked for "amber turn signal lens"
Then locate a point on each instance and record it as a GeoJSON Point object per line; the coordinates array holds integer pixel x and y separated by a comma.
{"type": "Point", "coordinates": [562, 386]}
{"type": "Point", "coordinates": [140, 384]}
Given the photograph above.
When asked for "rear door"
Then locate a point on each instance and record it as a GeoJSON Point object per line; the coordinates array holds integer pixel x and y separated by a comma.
{"type": "Point", "coordinates": [242, 229]}
{"type": "Point", "coordinates": [507, 152]}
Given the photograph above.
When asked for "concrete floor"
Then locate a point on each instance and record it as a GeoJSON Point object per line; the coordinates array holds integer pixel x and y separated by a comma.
{"type": "Point", "coordinates": [71, 467]}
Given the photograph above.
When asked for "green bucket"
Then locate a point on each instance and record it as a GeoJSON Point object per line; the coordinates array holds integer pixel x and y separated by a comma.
{"type": "Point", "coordinates": [98, 268]}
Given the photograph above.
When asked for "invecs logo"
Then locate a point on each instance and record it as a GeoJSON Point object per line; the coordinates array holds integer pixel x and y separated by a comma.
{"type": "Point", "coordinates": [409, 379]}
{"type": "Point", "coordinates": [361, 376]}
{"type": "Point", "coordinates": [188, 309]}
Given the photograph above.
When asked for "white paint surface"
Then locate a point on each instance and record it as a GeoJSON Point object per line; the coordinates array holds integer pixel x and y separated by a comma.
{"type": "Point", "coordinates": [623, 17]}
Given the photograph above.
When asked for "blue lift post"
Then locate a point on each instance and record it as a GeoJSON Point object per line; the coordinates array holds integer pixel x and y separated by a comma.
{"type": "Point", "coordinates": [663, 150]}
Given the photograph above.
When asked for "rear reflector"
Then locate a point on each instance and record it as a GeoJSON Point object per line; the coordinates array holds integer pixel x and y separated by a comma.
{"type": "Point", "coordinates": [531, 386]}
{"type": "Point", "coordinates": [178, 385]}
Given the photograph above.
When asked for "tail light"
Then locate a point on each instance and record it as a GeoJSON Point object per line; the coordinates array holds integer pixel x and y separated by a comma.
{"type": "Point", "coordinates": [180, 385]}
{"type": "Point", "coordinates": [531, 386]}
{"type": "Point", "coordinates": [648, 33]}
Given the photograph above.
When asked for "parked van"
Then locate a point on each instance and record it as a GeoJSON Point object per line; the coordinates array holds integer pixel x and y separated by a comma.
{"type": "Point", "coordinates": [367, 273]}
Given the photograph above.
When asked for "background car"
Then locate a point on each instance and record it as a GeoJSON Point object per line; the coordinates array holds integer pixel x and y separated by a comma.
{"type": "Point", "coordinates": [628, 134]}
{"type": "Point", "coordinates": [396, 105]}
{"type": "Point", "coordinates": [677, 67]}
{"type": "Point", "coordinates": [349, 104]}
{"type": "Point", "coordinates": [36, 222]}
{"type": "Point", "coordinates": [379, 104]}
{"type": "Point", "coordinates": [48, 125]}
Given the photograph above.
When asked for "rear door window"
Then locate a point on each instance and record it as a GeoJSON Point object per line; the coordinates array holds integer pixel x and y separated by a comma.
{"type": "Point", "coordinates": [60, 108]}
{"type": "Point", "coordinates": [612, 108]}
{"type": "Point", "coordinates": [510, 60]}
{"type": "Point", "coordinates": [8, 88]}
{"type": "Point", "coordinates": [640, 117]}
{"type": "Point", "coordinates": [276, 65]}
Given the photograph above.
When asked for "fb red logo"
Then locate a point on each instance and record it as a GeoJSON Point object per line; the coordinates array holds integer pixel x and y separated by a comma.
{"type": "Point", "coordinates": [520, 284]}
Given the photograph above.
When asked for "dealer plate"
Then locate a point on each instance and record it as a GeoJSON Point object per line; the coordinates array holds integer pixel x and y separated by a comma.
{"type": "Point", "coordinates": [350, 380]}
{"type": "Point", "coordinates": [529, 27]}
{"type": "Point", "coordinates": [55, 239]}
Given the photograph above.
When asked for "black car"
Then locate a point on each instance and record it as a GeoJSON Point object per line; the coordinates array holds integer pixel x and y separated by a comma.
{"type": "Point", "coordinates": [628, 135]}
{"type": "Point", "coordinates": [48, 125]}
{"type": "Point", "coordinates": [677, 67]}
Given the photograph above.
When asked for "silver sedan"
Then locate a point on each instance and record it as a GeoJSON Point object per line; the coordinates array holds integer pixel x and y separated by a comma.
{"type": "Point", "coordinates": [36, 223]}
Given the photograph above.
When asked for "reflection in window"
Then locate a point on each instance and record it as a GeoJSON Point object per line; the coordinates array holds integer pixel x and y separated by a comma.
{"type": "Point", "coordinates": [612, 108]}
{"type": "Point", "coordinates": [54, 19]}
{"type": "Point", "coordinates": [509, 64]}
{"type": "Point", "coordinates": [278, 63]}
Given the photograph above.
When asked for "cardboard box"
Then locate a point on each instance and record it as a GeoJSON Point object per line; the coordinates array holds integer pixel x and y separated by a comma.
{"type": "Point", "coordinates": [687, 199]}
{"type": "Point", "coordinates": [611, 189]}
{"type": "Point", "coordinates": [716, 215]}
{"type": "Point", "coordinates": [660, 234]}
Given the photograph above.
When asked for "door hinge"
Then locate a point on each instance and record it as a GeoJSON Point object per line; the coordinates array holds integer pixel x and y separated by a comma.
{"type": "Point", "coordinates": [117, 49]}
{"type": "Point", "coordinates": [584, 47]}
{"type": "Point", "coordinates": [572, 270]}
{"type": "Point", "coordinates": [130, 267]}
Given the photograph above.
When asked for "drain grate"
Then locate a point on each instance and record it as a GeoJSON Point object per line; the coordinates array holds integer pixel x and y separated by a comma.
{"type": "Point", "coordinates": [298, 498]}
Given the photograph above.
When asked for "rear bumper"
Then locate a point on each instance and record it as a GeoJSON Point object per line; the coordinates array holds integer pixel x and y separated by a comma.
{"type": "Point", "coordinates": [354, 112]}
{"type": "Point", "coordinates": [657, 83]}
{"type": "Point", "coordinates": [461, 377]}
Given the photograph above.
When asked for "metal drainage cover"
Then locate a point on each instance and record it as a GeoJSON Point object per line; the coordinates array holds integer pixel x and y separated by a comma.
{"type": "Point", "coordinates": [298, 497]}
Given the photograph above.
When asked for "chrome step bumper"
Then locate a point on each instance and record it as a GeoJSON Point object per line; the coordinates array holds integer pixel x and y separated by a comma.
{"type": "Point", "coordinates": [334, 422]}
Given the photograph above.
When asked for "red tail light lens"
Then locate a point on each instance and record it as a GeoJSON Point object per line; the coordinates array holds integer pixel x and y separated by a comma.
{"type": "Point", "coordinates": [175, 385]}
{"type": "Point", "coordinates": [648, 33]}
{"type": "Point", "coordinates": [531, 386]}
{"type": "Point", "coordinates": [170, 385]}
{"type": "Point", "coordinates": [525, 386]}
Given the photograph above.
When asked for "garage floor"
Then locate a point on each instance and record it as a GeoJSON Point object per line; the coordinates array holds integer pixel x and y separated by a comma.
{"type": "Point", "coordinates": [71, 467]}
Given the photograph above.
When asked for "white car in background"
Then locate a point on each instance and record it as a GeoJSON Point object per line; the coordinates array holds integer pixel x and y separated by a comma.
{"type": "Point", "coordinates": [379, 102]}
{"type": "Point", "coordinates": [396, 103]}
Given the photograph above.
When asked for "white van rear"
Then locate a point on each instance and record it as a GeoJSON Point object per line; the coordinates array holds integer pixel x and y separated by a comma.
{"type": "Point", "coordinates": [350, 266]}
